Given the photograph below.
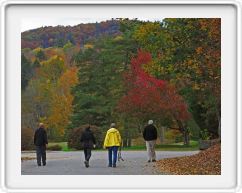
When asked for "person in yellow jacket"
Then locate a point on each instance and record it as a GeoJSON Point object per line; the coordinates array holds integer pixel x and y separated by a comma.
{"type": "Point", "coordinates": [112, 142]}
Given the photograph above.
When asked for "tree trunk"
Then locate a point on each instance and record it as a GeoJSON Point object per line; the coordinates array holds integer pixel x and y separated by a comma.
{"type": "Point", "coordinates": [125, 134]}
{"type": "Point", "coordinates": [185, 132]}
{"type": "Point", "coordinates": [129, 142]}
{"type": "Point", "coordinates": [140, 129]}
{"type": "Point", "coordinates": [125, 138]}
{"type": "Point", "coordinates": [186, 137]}
{"type": "Point", "coordinates": [219, 128]}
{"type": "Point", "coordinates": [162, 134]}
{"type": "Point", "coordinates": [124, 142]}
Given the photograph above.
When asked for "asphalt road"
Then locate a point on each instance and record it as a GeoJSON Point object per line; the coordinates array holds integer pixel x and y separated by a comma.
{"type": "Point", "coordinates": [71, 163]}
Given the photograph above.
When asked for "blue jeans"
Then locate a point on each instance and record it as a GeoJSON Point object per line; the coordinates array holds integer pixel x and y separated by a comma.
{"type": "Point", "coordinates": [112, 155]}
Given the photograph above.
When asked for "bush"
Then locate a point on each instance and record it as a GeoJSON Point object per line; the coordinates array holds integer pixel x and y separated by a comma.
{"type": "Point", "coordinates": [27, 139]}
{"type": "Point", "coordinates": [54, 147]}
{"type": "Point", "coordinates": [204, 134]}
{"type": "Point", "coordinates": [139, 141]}
{"type": "Point", "coordinates": [75, 136]}
{"type": "Point", "coordinates": [173, 136]}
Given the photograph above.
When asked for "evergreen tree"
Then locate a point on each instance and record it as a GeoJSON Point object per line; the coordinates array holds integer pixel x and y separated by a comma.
{"type": "Point", "coordinates": [26, 72]}
{"type": "Point", "coordinates": [100, 81]}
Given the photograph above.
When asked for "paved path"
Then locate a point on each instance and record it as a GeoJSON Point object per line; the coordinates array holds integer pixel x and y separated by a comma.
{"type": "Point", "coordinates": [71, 163]}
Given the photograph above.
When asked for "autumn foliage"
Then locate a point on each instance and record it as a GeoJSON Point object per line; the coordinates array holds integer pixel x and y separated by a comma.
{"type": "Point", "coordinates": [207, 162]}
{"type": "Point", "coordinates": [127, 71]}
{"type": "Point", "coordinates": [61, 103]}
{"type": "Point", "coordinates": [148, 96]}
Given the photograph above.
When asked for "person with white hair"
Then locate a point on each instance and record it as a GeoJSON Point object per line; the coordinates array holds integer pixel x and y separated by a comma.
{"type": "Point", "coordinates": [40, 141]}
{"type": "Point", "coordinates": [112, 142]}
{"type": "Point", "coordinates": [150, 137]}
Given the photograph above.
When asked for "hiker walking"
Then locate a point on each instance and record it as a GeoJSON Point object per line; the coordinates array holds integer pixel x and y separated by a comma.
{"type": "Point", "coordinates": [150, 137]}
{"type": "Point", "coordinates": [88, 141]}
{"type": "Point", "coordinates": [40, 141]}
{"type": "Point", "coordinates": [112, 142]}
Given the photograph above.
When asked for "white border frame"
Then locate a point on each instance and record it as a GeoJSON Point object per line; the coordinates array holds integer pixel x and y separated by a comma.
{"type": "Point", "coordinates": [4, 5]}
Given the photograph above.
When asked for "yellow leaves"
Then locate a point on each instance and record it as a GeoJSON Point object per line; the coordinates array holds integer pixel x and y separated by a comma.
{"type": "Point", "coordinates": [88, 46]}
{"type": "Point", "coordinates": [50, 88]}
{"type": "Point", "coordinates": [54, 60]}
{"type": "Point", "coordinates": [153, 68]}
{"type": "Point", "coordinates": [170, 68]}
{"type": "Point", "coordinates": [61, 101]}
{"type": "Point", "coordinates": [171, 134]}
{"type": "Point", "coordinates": [36, 50]}
{"type": "Point", "coordinates": [55, 57]}
{"type": "Point", "coordinates": [67, 46]}
{"type": "Point", "coordinates": [52, 51]}
{"type": "Point", "coordinates": [146, 30]}
{"type": "Point", "coordinates": [118, 38]}
{"type": "Point", "coordinates": [196, 86]}
{"type": "Point", "coordinates": [52, 68]}
{"type": "Point", "coordinates": [192, 66]}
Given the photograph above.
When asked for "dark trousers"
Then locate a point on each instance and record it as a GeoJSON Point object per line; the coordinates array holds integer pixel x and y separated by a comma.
{"type": "Point", "coordinates": [112, 155]}
{"type": "Point", "coordinates": [41, 154]}
{"type": "Point", "coordinates": [87, 153]}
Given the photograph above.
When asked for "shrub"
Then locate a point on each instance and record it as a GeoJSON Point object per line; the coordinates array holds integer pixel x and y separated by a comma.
{"type": "Point", "coordinates": [172, 136]}
{"type": "Point", "coordinates": [139, 141]}
{"type": "Point", "coordinates": [204, 134]}
{"type": "Point", "coordinates": [27, 139]}
{"type": "Point", "coordinates": [75, 135]}
{"type": "Point", "coordinates": [54, 147]}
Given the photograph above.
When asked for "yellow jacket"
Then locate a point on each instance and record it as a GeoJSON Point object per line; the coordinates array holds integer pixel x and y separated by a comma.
{"type": "Point", "coordinates": [112, 138]}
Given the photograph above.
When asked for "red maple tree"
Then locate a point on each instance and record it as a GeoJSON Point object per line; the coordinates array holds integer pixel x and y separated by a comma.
{"type": "Point", "coordinates": [148, 97]}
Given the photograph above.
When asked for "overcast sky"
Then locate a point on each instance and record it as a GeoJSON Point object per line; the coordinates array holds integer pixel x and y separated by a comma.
{"type": "Point", "coordinates": [32, 23]}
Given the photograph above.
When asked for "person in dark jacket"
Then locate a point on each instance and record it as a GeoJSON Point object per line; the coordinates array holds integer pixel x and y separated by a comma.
{"type": "Point", "coordinates": [150, 137]}
{"type": "Point", "coordinates": [88, 141]}
{"type": "Point", "coordinates": [40, 141]}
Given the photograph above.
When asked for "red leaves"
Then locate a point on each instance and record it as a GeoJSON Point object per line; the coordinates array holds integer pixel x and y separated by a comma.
{"type": "Point", "coordinates": [207, 162]}
{"type": "Point", "coordinates": [143, 78]}
{"type": "Point", "coordinates": [147, 94]}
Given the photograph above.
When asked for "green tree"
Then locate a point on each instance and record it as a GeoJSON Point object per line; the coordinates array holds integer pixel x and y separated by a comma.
{"type": "Point", "coordinates": [26, 72]}
{"type": "Point", "coordinates": [98, 88]}
{"type": "Point", "coordinates": [100, 80]}
{"type": "Point", "coordinates": [40, 55]}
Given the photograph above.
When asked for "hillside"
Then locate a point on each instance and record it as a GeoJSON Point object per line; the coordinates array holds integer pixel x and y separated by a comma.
{"type": "Point", "coordinates": [59, 35]}
{"type": "Point", "coordinates": [124, 71]}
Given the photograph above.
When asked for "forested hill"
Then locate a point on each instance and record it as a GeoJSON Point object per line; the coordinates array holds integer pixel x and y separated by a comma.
{"type": "Point", "coordinates": [124, 71]}
{"type": "Point", "coordinates": [58, 36]}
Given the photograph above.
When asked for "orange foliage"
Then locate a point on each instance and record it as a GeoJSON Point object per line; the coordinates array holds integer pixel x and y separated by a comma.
{"type": "Point", "coordinates": [207, 162]}
{"type": "Point", "coordinates": [61, 101]}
